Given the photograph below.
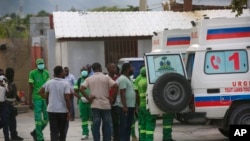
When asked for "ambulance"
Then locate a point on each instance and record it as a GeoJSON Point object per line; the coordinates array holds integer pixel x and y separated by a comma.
{"type": "Point", "coordinates": [168, 55]}
{"type": "Point", "coordinates": [215, 79]}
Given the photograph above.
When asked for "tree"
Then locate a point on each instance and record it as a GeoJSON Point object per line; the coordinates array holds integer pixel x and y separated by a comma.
{"type": "Point", "coordinates": [238, 5]}
{"type": "Point", "coordinates": [42, 13]}
{"type": "Point", "coordinates": [73, 9]}
{"type": "Point", "coordinates": [116, 8]}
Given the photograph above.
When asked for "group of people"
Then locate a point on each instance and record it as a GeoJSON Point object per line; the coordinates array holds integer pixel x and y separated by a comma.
{"type": "Point", "coordinates": [114, 100]}
{"type": "Point", "coordinates": [52, 101]}
{"type": "Point", "coordinates": [8, 112]}
{"type": "Point", "coordinates": [109, 100]}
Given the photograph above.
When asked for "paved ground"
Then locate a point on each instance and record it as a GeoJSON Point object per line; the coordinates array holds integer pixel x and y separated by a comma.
{"type": "Point", "coordinates": [180, 132]}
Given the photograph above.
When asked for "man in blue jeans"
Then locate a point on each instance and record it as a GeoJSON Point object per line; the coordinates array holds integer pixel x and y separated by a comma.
{"type": "Point", "coordinates": [128, 101]}
{"type": "Point", "coordinates": [99, 85]}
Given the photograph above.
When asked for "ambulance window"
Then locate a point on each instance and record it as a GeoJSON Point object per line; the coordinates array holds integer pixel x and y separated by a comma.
{"type": "Point", "coordinates": [190, 64]}
{"type": "Point", "coordinates": [232, 61]}
{"type": "Point", "coordinates": [161, 63]}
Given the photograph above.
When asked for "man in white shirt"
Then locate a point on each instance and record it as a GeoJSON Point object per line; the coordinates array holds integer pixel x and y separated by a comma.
{"type": "Point", "coordinates": [57, 92]}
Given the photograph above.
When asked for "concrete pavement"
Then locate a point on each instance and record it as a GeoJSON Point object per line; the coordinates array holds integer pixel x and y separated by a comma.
{"type": "Point", "coordinates": [180, 132]}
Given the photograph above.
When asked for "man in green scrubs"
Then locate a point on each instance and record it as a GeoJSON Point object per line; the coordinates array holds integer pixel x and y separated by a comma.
{"type": "Point", "coordinates": [37, 78]}
{"type": "Point", "coordinates": [84, 105]}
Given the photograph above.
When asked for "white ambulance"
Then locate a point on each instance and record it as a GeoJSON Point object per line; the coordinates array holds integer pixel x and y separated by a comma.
{"type": "Point", "coordinates": [168, 55]}
{"type": "Point", "coordinates": [215, 79]}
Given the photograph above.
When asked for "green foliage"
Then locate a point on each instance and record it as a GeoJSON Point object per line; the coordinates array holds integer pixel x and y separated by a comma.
{"type": "Point", "coordinates": [42, 13]}
{"type": "Point", "coordinates": [115, 8]}
{"type": "Point", "coordinates": [12, 26]}
{"type": "Point", "coordinates": [237, 6]}
{"type": "Point", "coordinates": [73, 9]}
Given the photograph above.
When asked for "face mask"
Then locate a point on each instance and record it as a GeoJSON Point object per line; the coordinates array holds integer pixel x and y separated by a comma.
{"type": "Point", "coordinates": [84, 73]}
{"type": "Point", "coordinates": [40, 66]}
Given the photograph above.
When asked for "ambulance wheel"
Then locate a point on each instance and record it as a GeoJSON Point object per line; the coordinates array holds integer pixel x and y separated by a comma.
{"type": "Point", "coordinates": [224, 132]}
{"type": "Point", "coordinates": [240, 115]}
{"type": "Point", "coordinates": [172, 92]}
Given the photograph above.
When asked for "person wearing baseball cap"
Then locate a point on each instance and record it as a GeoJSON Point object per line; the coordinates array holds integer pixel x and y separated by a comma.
{"type": "Point", "coordinates": [37, 78]}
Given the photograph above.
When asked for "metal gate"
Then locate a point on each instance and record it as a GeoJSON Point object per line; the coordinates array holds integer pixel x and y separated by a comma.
{"type": "Point", "coordinates": [120, 48]}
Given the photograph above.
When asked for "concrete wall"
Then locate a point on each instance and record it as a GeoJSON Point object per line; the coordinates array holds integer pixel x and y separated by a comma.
{"type": "Point", "coordinates": [39, 26]}
{"type": "Point", "coordinates": [51, 44]}
{"type": "Point", "coordinates": [144, 46]}
{"type": "Point", "coordinates": [17, 55]}
{"type": "Point", "coordinates": [82, 53]}
{"type": "Point", "coordinates": [75, 54]}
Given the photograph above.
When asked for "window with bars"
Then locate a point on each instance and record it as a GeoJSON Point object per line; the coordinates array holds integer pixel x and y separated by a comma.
{"type": "Point", "coordinates": [120, 48]}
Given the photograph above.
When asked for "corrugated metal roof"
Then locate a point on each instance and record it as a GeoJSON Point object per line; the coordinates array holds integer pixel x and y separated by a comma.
{"type": "Point", "coordinates": [208, 2]}
{"type": "Point", "coordinates": [120, 24]}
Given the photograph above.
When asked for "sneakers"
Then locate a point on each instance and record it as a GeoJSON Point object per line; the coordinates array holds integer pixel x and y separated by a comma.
{"type": "Point", "coordinates": [17, 138]}
{"type": "Point", "coordinates": [33, 134]}
{"type": "Point", "coordinates": [84, 137]}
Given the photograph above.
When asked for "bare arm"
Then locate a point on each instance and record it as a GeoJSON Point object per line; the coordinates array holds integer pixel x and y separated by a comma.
{"type": "Point", "coordinates": [82, 90]}
{"type": "Point", "coordinates": [76, 93]}
{"type": "Point", "coordinates": [67, 99]}
{"type": "Point", "coordinates": [47, 97]}
{"type": "Point", "coordinates": [115, 92]}
{"type": "Point", "coordinates": [137, 98]}
{"type": "Point", "coordinates": [123, 100]}
{"type": "Point", "coordinates": [42, 93]}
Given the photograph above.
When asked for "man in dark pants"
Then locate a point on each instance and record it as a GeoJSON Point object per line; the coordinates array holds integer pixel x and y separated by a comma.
{"type": "Point", "coordinates": [128, 101]}
{"type": "Point", "coordinates": [112, 70]}
{"type": "Point", "coordinates": [99, 86]}
{"type": "Point", "coordinates": [10, 99]}
{"type": "Point", "coordinates": [57, 94]}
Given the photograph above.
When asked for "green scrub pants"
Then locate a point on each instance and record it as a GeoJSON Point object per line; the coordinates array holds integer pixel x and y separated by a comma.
{"type": "Point", "coordinates": [41, 117]}
{"type": "Point", "coordinates": [147, 124]}
{"type": "Point", "coordinates": [167, 126]}
{"type": "Point", "coordinates": [133, 134]}
{"type": "Point", "coordinates": [85, 114]}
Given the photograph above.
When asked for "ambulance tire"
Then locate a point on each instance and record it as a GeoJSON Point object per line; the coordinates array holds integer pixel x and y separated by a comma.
{"type": "Point", "coordinates": [224, 132]}
{"type": "Point", "coordinates": [240, 115]}
{"type": "Point", "coordinates": [172, 92]}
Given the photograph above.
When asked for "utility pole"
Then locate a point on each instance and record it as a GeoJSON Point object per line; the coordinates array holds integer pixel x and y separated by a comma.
{"type": "Point", "coordinates": [20, 9]}
{"type": "Point", "coordinates": [143, 5]}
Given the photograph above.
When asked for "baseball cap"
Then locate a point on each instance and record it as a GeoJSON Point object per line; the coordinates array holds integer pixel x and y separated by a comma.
{"type": "Point", "coordinates": [39, 61]}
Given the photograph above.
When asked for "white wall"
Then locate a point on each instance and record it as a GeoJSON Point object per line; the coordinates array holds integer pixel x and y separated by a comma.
{"type": "Point", "coordinates": [51, 44]}
{"type": "Point", "coordinates": [144, 46]}
{"type": "Point", "coordinates": [81, 53]}
{"type": "Point", "coordinates": [75, 54]}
